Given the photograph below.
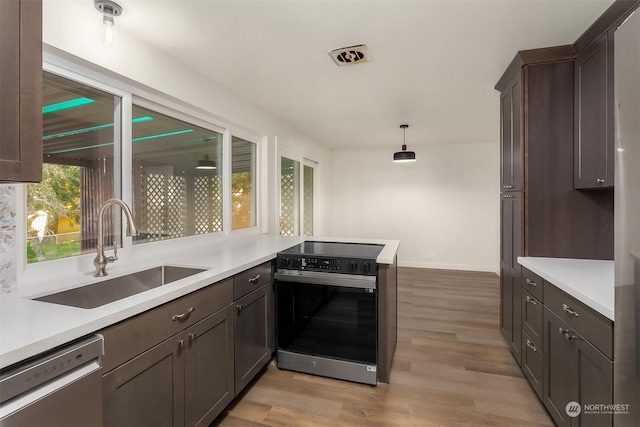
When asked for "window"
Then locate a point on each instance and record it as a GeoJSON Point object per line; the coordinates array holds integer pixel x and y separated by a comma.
{"type": "Point", "coordinates": [308, 194]}
{"type": "Point", "coordinates": [243, 183]}
{"type": "Point", "coordinates": [177, 177]}
{"type": "Point", "coordinates": [79, 135]}
{"type": "Point", "coordinates": [296, 197]}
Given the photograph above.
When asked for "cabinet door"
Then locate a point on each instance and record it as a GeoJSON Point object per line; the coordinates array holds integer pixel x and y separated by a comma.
{"type": "Point", "coordinates": [593, 151]}
{"type": "Point", "coordinates": [511, 147]}
{"type": "Point", "coordinates": [149, 389]}
{"type": "Point", "coordinates": [558, 354]}
{"type": "Point", "coordinates": [21, 89]}
{"type": "Point", "coordinates": [532, 363]}
{"type": "Point", "coordinates": [592, 383]}
{"type": "Point", "coordinates": [209, 372]}
{"type": "Point", "coordinates": [253, 339]}
{"type": "Point", "coordinates": [510, 288]}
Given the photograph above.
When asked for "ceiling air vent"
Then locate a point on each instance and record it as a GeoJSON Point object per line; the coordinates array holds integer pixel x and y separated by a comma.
{"type": "Point", "coordinates": [350, 55]}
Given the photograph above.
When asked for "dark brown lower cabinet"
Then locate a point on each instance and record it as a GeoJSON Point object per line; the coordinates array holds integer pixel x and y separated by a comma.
{"type": "Point", "coordinates": [185, 380]}
{"type": "Point", "coordinates": [511, 213]}
{"type": "Point", "coordinates": [254, 334]}
{"type": "Point", "coordinates": [574, 371]}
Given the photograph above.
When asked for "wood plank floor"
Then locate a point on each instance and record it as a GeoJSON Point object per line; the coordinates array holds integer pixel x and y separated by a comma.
{"type": "Point", "coordinates": [451, 368]}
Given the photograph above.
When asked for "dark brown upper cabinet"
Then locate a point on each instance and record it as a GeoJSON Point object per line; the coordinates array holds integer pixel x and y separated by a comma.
{"type": "Point", "coordinates": [594, 120]}
{"type": "Point", "coordinates": [511, 148]}
{"type": "Point", "coordinates": [21, 91]}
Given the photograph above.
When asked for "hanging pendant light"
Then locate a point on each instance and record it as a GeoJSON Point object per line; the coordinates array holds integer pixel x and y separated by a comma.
{"type": "Point", "coordinates": [404, 155]}
{"type": "Point", "coordinates": [206, 164]}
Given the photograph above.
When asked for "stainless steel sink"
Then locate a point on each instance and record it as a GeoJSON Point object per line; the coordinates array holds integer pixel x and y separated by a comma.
{"type": "Point", "coordinates": [111, 290]}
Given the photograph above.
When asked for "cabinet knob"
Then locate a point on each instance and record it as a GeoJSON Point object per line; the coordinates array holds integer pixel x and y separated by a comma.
{"type": "Point", "coordinates": [569, 310]}
{"type": "Point", "coordinates": [600, 181]}
{"type": "Point", "coordinates": [239, 307]}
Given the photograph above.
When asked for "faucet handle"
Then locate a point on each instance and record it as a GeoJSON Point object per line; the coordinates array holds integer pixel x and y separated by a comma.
{"type": "Point", "coordinates": [115, 252]}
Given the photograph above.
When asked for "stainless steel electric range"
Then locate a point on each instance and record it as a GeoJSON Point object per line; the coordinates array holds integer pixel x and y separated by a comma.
{"type": "Point", "coordinates": [327, 305]}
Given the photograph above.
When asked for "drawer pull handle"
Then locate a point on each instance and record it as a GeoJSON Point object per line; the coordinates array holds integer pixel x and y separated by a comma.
{"type": "Point", "coordinates": [184, 315]}
{"type": "Point", "coordinates": [600, 181]}
{"type": "Point", "coordinates": [181, 344]}
{"type": "Point", "coordinates": [567, 334]}
{"type": "Point", "coordinates": [192, 337]}
{"type": "Point", "coordinates": [531, 283]}
{"type": "Point", "coordinates": [569, 310]}
{"type": "Point", "coordinates": [532, 346]}
{"type": "Point", "coordinates": [254, 280]}
{"type": "Point", "coordinates": [531, 300]}
{"type": "Point", "coordinates": [239, 307]}
{"type": "Point", "coordinates": [508, 196]}
{"type": "Point", "coordinates": [507, 187]}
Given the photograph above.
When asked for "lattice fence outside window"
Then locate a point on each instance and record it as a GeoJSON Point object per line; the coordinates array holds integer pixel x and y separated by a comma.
{"type": "Point", "coordinates": [288, 197]}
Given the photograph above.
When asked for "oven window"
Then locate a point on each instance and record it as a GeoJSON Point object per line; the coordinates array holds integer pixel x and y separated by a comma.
{"type": "Point", "coordinates": [328, 321]}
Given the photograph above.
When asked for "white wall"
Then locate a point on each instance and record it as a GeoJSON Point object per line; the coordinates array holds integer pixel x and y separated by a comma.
{"type": "Point", "coordinates": [444, 208]}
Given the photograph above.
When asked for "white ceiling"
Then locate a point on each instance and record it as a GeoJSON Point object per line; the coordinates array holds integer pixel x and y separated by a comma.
{"type": "Point", "coordinates": [435, 62]}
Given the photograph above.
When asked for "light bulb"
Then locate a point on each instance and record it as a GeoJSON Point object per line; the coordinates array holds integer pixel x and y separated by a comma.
{"type": "Point", "coordinates": [109, 32]}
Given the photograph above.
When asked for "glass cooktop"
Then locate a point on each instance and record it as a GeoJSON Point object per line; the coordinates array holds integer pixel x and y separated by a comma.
{"type": "Point", "coordinates": [335, 249]}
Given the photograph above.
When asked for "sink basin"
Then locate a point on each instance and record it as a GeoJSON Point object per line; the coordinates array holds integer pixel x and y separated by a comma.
{"type": "Point", "coordinates": [110, 290]}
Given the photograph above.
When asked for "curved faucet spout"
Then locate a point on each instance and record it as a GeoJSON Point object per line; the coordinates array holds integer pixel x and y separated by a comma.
{"type": "Point", "coordinates": [101, 261]}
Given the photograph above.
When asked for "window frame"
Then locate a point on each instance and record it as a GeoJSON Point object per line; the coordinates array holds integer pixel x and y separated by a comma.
{"type": "Point", "coordinates": [303, 161]}
{"type": "Point", "coordinates": [249, 137]}
{"type": "Point", "coordinates": [29, 271]}
{"type": "Point", "coordinates": [129, 93]}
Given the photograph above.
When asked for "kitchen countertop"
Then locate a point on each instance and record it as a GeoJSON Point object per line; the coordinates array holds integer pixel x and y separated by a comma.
{"type": "Point", "coordinates": [589, 281]}
{"type": "Point", "coordinates": [29, 327]}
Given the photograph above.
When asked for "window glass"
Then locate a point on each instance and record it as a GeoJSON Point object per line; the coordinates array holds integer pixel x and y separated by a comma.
{"type": "Point", "coordinates": [289, 197]}
{"type": "Point", "coordinates": [308, 200]}
{"type": "Point", "coordinates": [243, 183]}
{"type": "Point", "coordinates": [78, 172]}
{"type": "Point", "coordinates": [177, 177]}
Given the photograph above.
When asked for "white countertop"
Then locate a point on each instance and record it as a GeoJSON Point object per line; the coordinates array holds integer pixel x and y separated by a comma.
{"type": "Point", "coordinates": [589, 281]}
{"type": "Point", "coordinates": [29, 327]}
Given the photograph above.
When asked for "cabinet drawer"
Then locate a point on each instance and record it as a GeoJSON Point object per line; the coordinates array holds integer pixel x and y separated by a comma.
{"type": "Point", "coordinates": [532, 310]}
{"type": "Point", "coordinates": [532, 363]}
{"type": "Point", "coordinates": [532, 283]}
{"type": "Point", "coordinates": [596, 328]}
{"type": "Point", "coordinates": [251, 279]}
{"type": "Point", "coordinates": [131, 337]}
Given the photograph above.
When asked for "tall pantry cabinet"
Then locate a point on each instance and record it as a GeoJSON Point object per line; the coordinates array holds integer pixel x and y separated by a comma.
{"type": "Point", "coordinates": [541, 212]}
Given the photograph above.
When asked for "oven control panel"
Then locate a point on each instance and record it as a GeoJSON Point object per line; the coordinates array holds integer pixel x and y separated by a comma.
{"type": "Point", "coordinates": [327, 264]}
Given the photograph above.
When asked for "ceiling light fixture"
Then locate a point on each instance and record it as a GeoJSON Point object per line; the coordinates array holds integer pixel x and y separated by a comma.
{"type": "Point", "coordinates": [404, 155]}
{"type": "Point", "coordinates": [206, 164]}
{"type": "Point", "coordinates": [109, 10]}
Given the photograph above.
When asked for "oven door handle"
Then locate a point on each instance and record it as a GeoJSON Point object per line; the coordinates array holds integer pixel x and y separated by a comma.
{"type": "Point", "coordinates": [327, 279]}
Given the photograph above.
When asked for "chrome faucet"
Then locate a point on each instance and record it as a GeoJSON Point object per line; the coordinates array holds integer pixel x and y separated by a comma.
{"type": "Point", "coordinates": [101, 261]}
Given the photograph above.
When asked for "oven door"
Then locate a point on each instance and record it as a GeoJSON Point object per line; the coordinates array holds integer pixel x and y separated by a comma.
{"type": "Point", "coordinates": [327, 324]}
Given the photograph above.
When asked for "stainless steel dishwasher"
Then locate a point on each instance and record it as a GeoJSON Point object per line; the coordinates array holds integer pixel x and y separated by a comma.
{"type": "Point", "coordinates": [60, 388]}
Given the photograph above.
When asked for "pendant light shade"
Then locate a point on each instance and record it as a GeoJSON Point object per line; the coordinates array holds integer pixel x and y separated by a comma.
{"type": "Point", "coordinates": [404, 155]}
{"type": "Point", "coordinates": [206, 164]}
